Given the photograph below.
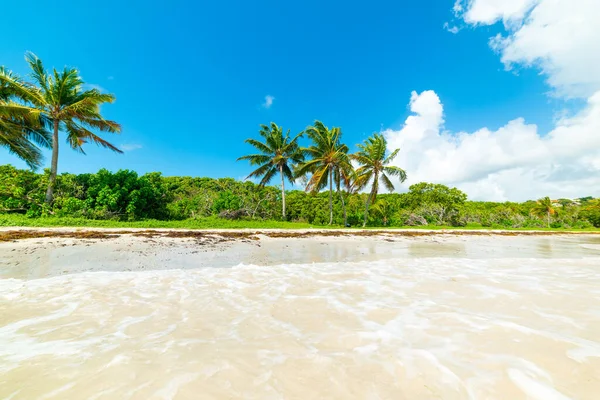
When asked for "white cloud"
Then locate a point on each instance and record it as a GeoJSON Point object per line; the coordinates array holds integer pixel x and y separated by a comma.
{"type": "Point", "coordinates": [561, 37]}
{"type": "Point", "coordinates": [452, 29]}
{"type": "Point", "coordinates": [130, 146]}
{"type": "Point", "coordinates": [457, 7]}
{"type": "Point", "coordinates": [490, 11]}
{"type": "Point", "coordinates": [90, 86]}
{"type": "Point", "coordinates": [268, 101]}
{"type": "Point", "coordinates": [515, 162]}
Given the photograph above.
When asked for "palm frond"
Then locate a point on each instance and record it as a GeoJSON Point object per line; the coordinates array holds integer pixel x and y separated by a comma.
{"type": "Point", "coordinates": [256, 159]}
{"type": "Point", "coordinates": [395, 171]}
{"type": "Point", "coordinates": [391, 157]}
{"type": "Point", "coordinates": [38, 72]}
{"type": "Point", "coordinates": [78, 135]}
{"type": "Point", "coordinates": [259, 146]}
{"type": "Point", "coordinates": [387, 182]}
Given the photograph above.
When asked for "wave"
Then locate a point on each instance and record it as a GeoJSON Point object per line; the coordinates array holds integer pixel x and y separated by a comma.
{"type": "Point", "coordinates": [400, 328]}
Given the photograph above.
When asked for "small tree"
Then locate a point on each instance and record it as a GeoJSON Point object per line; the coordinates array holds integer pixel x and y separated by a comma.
{"type": "Point", "coordinates": [544, 207]}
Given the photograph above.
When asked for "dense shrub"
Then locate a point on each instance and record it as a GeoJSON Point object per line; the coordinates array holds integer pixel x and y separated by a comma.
{"type": "Point", "coordinates": [126, 196]}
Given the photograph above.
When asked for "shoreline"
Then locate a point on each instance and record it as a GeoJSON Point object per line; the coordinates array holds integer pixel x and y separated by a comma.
{"type": "Point", "coordinates": [32, 253]}
{"type": "Point", "coordinates": [8, 234]}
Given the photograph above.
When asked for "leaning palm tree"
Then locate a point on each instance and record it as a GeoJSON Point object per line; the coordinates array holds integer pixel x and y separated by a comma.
{"type": "Point", "coordinates": [20, 130]}
{"type": "Point", "coordinates": [279, 153]}
{"type": "Point", "coordinates": [327, 157]}
{"type": "Point", "coordinates": [544, 207]}
{"type": "Point", "coordinates": [59, 97]}
{"type": "Point", "coordinates": [374, 166]}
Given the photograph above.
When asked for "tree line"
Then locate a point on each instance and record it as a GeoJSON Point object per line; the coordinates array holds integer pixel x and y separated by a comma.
{"type": "Point", "coordinates": [35, 112]}
{"type": "Point", "coordinates": [124, 195]}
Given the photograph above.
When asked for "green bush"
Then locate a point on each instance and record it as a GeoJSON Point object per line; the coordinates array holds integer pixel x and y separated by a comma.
{"type": "Point", "coordinates": [125, 196]}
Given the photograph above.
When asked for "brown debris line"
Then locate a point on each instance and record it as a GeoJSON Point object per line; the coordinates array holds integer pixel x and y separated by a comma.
{"type": "Point", "coordinates": [13, 235]}
{"type": "Point", "coordinates": [404, 233]}
{"type": "Point", "coordinates": [8, 236]}
{"type": "Point", "coordinates": [226, 236]}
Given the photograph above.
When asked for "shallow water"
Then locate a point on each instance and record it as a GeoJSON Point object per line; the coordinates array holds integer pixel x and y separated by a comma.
{"type": "Point", "coordinates": [424, 328]}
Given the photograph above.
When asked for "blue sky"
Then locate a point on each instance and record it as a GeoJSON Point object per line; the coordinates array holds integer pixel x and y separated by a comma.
{"type": "Point", "coordinates": [190, 77]}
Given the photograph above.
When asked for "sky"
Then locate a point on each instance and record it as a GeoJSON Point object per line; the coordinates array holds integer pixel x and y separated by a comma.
{"type": "Point", "coordinates": [500, 98]}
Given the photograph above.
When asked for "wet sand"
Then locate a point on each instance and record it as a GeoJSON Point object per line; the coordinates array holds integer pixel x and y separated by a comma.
{"type": "Point", "coordinates": [381, 317]}
{"type": "Point", "coordinates": [121, 251]}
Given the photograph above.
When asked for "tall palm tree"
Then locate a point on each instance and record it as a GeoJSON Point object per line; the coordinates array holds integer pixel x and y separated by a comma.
{"type": "Point", "coordinates": [278, 153]}
{"type": "Point", "coordinates": [59, 97]}
{"type": "Point", "coordinates": [20, 130]}
{"type": "Point", "coordinates": [374, 167]}
{"type": "Point", "coordinates": [327, 157]}
{"type": "Point", "coordinates": [544, 207]}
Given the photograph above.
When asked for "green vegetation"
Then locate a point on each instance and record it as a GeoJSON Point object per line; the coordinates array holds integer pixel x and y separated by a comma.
{"type": "Point", "coordinates": [198, 223]}
{"type": "Point", "coordinates": [125, 199]}
{"type": "Point", "coordinates": [544, 207]}
{"type": "Point", "coordinates": [57, 101]}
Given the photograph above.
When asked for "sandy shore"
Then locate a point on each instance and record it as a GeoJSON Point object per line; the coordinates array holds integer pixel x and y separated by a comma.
{"type": "Point", "coordinates": [29, 253]}
{"type": "Point", "coordinates": [271, 314]}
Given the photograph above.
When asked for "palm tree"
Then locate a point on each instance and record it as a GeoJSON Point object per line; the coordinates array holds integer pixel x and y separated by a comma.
{"type": "Point", "coordinates": [544, 207]}
{"type": "Point", "coordinates": [328, 157]}
{"type": "Point", "coordinates": [59, 97]}
{"type": "Point", "coordinates": [374, 166]}
{"type": "Point", "coordinates": [344, 173]}
{"type": "Point", "coordinates": [20, 130]}
{"type": "Point", "coordinates": [278, 153]}
{"type": "Point", "coordinates": [383, 209]}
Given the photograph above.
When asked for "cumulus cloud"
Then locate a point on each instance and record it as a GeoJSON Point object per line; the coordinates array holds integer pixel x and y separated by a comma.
{"type": "Point", "coordinates": [490, 11]}
{"type": "Point", "coordinates": [558, 36]}
{"type": "Point", "coordinates": [515, 162]}
{"type": "Point", "coordinates": [268, 101]}
{"type": "Point", "coordinates": [130, 146]}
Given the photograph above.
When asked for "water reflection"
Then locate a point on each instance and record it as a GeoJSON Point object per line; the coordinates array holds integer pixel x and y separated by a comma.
{"type": "Point", "coordinates": [436, 249]}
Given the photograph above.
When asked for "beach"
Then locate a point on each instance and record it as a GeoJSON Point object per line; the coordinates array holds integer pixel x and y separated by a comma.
{"type": "Point", "coordinates": [141, 314]}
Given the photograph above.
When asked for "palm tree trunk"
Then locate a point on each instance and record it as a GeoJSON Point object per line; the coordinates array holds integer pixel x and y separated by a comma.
{"type": "Point", "coordinates": [282, 191]}
{"type": "Point", "coordinates": [53, 165]}
{"type": "Point", "coordinates": [548, 219]}
{"type": "Point", "coordinates": [366, 209]}
{"type": "Point", "coordinates": [343, 204]}
{"type": "Point", "coordinates": [330, 194]}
